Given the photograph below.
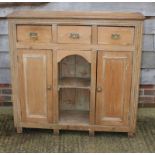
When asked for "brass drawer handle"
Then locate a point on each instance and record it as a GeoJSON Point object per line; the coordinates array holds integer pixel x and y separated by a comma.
{"type": "Point", "coordinates": [99, 89]}
{"type": "Point", "coordinates": [33, 36]}
{"type": "Point", "coordinates": [74, 35]}
{"type": "Point", "coordinates": [115, 36]}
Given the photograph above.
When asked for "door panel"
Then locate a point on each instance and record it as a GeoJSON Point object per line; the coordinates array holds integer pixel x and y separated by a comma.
{"type": "Point", "coordinates": [113, 88]}
{"type": "Point", "coordinates": [35, 68]}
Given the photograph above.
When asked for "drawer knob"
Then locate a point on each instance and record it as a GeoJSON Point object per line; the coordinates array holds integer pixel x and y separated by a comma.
{"type": "Point", "coordinates": [74, 35]}
{"type": "Point", "coordinates": [115, 36]}
{"type": "Point", "coordinates": [33, 36]}
{"type": "Point", "coordinates": [49, 87]}
{"type": "Point", "coordinates": [99, 89]}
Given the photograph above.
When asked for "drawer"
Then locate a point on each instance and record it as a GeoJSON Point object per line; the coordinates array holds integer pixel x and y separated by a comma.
{"type": "Point", "coordinates": [74, 34]}
{"type": "Point", "coordinates": [116, 35]}
{"type": "Point", "coordinates": [34, 34]}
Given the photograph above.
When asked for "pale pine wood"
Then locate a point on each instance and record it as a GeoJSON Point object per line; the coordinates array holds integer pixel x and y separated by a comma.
{"type": "Point", "coordinates": [35, 77]}
{"type": "Point", "coordinates": [114, 80]}
{"type": "Point", "coordinates": [14, 75]}
{"type": "Point", "coordinates": [74, 66]}
{"type": "Point", "coordinates": [77, 63]}
{"type": "Point", "coordinates": [49, 86]}
{"type": "Point", "coordinates": [94, 34]}
{"type": "Point", "coordinates": [64, 53]}
{"type": "Point", "coordinates": [55, 88]}
{"type": "Point", "coordinates": [90, 56]}
{"type": "Point", "coordinates": [84, 33]}
{"type": "Point", "coordinates": [77, 15]}
{"type": "Point", "coordinates": [83, 83]}
{"type": "Point", "coordinates": [91, 133]}
{"type": "Point", "coordinates": [13, 79]}
{"type": "Point", "coordinates": [74, 98]}
{"type": "Point", "coordinates": [74, 46]}
{"type": "Point", "coordinates": [54, 32]}
{"type": "Point", "coordinates": [93, 87]}
{"type": "Point", "coordinates": [105, 35]}
{"type": "Point", "coordinates": [44, 33]}
{"type": "Point", "coordinates": [74, 117]}
{"type": "Point", "coordinates": [87, 127]}
{"type": "Point", "coordinates": [78, 127]}
{"type": "Point", "coordinates": [19, 130]}
{"type": "Point", "coordinates": [41, 125]}
{"type": "Point", "coordinates": [136, 77]}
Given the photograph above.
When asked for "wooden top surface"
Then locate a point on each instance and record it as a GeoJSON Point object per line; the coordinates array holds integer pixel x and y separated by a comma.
{"type": "Point", "coordinates": [76, 15]}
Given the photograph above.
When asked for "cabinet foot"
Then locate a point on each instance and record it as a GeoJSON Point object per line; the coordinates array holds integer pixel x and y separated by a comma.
{"type": "Point", "coordinates": [19, 130]}
{"type": "Point", "coordinates": [91, 133]}
{"type": "Point", "coordinates": [131, 134]}
{"type": "Point", "coordinates": [56, 132]}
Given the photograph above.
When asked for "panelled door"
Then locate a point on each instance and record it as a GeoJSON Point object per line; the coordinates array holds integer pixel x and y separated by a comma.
{"type": "Point", "coordinates": [113, 88]}
{"type": "Point", "coordinates": [35, 85]}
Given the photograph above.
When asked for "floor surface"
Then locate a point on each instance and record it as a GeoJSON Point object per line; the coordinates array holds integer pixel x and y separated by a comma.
{"type": "Point", "coordinates": [36, 140]}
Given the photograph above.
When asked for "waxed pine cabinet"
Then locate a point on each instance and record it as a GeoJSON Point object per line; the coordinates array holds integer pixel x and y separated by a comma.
{"type": "Point", "coordinates": [75, 70]}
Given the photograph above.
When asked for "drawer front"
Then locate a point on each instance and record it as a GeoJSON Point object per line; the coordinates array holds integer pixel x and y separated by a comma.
{"type": "Point", "coordinates": [74, 34]}
{"type": "Point", "coordinates": [116, 35]}
{"type": "Point", "coordinates": [34, 34]}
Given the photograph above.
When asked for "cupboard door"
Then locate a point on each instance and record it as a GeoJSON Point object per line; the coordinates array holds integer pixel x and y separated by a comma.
{"type": "Point", "coordinates": [113, 88]}
{"type": "Point", "coordinates": [35, 81]}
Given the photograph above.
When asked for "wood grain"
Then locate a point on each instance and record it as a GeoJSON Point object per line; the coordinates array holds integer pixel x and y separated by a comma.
{"type": "Point", "coordinates": [34, 73]}
{"type": "Point", "coordinates": [83, 32]}
{"type": "Point", "coordinates": [113, 88]}
{"type": "Point", "coordinates": [125, 35]}
{"type": "Point", "coordinates": [44, 33]}
{"type": "Point", "coordinates": [86, 84]}
{"type": "Point", "coordinates": [77, 15]}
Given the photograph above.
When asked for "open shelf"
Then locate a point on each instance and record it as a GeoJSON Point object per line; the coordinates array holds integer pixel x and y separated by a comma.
{"type": "Point", "coordinates": [74, 117]}
{"type": "Point", "coordinates": [74, 82]}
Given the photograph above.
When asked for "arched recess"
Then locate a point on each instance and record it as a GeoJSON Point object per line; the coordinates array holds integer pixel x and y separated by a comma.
{"type": "Point", "coordinates": [74, 85]}
{"type": "Point", "coordinates": [74, 66]}
{"type": "Point", "coordinates": [84, 54]}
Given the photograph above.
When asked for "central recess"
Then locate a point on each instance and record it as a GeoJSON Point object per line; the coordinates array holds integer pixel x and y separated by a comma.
{"type": "Point", "coordinates": [74, 90]}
